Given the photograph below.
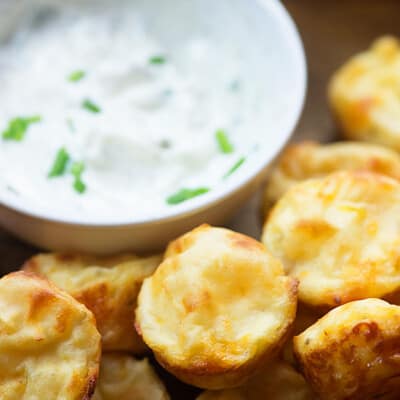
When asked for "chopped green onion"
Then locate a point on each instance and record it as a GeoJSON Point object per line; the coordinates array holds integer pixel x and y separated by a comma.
{"type": "Point", "coordinates": [77, 170]}
{"type": "Point", "coordinates": [18, 126]}
{"type": "Point", "coordinates": [90, 106]}
{"type": "Point", "coordinates": [79, 186]}
{"type": "Point", "coordinates": [165, 144]}
{"type": "Point", "coordinates": [12, 190]}
{"type": "Point", "coordinates": [235, 166]}
{"type": "Point", "coordinates": [71, 124]}
{"type": "Point", "coordinates": [223, 142]}
{"type": "Point", "coordinates": [235, 85]}
{"type": "Point", "coordinates": [60, 163]}
{"type": "Point", "coordinates": [168, 92]}
{"type": "Point", "coordinates": [186, 194]}
{"type": "Point", "coordinates": [76, 76]}
{"type": "Point", "coordinates": [157, 60]}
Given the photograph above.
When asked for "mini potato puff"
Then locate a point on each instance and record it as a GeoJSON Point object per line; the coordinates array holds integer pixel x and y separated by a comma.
{"type": "Point", "coordinates": [277, 382]}
{"type": "Point", "coordinates": [124, 378]}
{"type": "Point", "coordinates": [108, 286]}
{"type": "Point", "coordinates": [339, 236]}
{"type": "Point", "coordinates": [364, 94]}
{"type": "Point", "coordinates": [217, 307]}
{"type": "Point", "coordinates": [353, 352]}
{"type": "Point", "coordinates": [49, 344]}
{"type": "Point", "coordinates": [307, 160]}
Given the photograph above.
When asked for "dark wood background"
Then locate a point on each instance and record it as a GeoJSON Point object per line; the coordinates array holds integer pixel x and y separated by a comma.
{"type": "Point", "coordinates": [332, 31]}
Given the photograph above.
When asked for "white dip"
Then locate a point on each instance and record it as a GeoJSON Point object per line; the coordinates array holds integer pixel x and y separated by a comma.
{"type": "Point", "coordinates": [155, 130]}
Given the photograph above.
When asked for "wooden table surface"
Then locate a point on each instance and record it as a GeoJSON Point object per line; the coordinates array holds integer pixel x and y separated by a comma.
{"type": "Point", "coordinates": [332, 30]}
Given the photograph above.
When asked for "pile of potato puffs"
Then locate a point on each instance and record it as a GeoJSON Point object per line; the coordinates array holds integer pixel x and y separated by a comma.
{"type": "Point", "coordinates": [312, 311]}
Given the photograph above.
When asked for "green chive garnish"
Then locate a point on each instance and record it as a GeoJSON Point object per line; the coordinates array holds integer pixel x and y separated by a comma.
{"type": "Point", "coordinates": [79, 186]}
{"type": "Point", "coordinates": [76, 76]}
{"type": "Point", "coordinates": [71, 124]}
{"type": "Point", "coordinates": [223, 142]}
{"type": "Point", "coordinates": [235, 166]}
{"type": "Point", "coordinates": [90, 106]}
{"type": "Point", "coordinates": [157, 60]}
{"type": "Point", "coordinates": [186, 194]}
{"type": "Point", "coordinates": [77, 170]}
{"type": "Point", "coordinates": [235, 85]}
{"type": "Point", "coordinates": [60, 163]}
{"type": "Point", "coordinates": [168, 92]}
{"type": "Point", "coordinates": [18, 126]}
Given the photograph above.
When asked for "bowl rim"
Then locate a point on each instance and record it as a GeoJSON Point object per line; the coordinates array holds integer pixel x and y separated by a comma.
{"type": "Point", "coordinates": [293, 38]}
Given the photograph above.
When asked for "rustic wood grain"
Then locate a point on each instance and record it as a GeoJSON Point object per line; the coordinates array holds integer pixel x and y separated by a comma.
{"type": "Point", "coordinates": [332, 31]}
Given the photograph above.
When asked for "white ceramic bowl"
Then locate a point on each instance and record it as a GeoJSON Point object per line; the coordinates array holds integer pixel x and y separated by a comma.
{"type": "Point", "coordinates": [274, 49]}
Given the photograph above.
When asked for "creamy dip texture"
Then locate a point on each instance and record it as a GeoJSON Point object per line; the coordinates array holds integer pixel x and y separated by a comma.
{"type": "Point", "coordinates": [99, 118]}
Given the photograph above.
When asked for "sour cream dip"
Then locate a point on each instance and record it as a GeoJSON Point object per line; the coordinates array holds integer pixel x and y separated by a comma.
{"type": "Point", "coordinates": [100, 118]}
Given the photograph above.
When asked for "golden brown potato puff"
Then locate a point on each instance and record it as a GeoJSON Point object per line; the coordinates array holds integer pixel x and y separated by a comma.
{"type": "Point", "coordinates": [49, 344]}
{"type": "Point", "coordinates": [278, 381]}
{"type": "Point", "coordinates": [217, 307]}
{"type": "Point", "coordinates": [108, 286]}
{"type": "Point", "coordinates": [306, 160]}
{"type": "Point", "coordinates": [352, 353]}
{"type": "Point", "coordinates": [364, 94]}
{"type": "Point", "coordinates": [339, 236]}
{"type": "Point", "coordinates": [125, 378]}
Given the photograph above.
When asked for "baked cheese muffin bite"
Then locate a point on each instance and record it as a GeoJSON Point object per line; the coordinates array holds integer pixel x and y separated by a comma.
{"type": "Point", "coordinates": [279, 381]}
{"type": "Point", "coordinates": [124, 378]}
{"type": "Point", "coordinates": [339, 236]}
{"type": "Point", "coordinates": [353, 352]}
{"type": "Point", "coordinates": [364, 94]}
{"type": "Point", "coordinates": [49, 344]}
{"type": "Point", "coordinates": [217, 307]}
{"type": "Point", "coordinates": [108, 286]}
{"type": "Point", "coordinates": [305, 160]}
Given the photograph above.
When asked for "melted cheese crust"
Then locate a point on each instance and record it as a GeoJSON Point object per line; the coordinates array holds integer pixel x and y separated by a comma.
{"type": "Point", "coordinates": [353, 352]}
{"type": "Point", "coordinates": [309, 159]}
{"type": "Point", "coordinates": [364, 94]}
{"type": "Point", "coordinates": [49, 344]}
{"type": "Point", "coordinates": [216, 307]}
{"type": "Point", "coordinates": [124, 378]}
{"type": "Point", "coordinates": [108, 286]}
{"type": "Point", "coordinates": [278, 381]}
{"type": "Point", "coordinates": [339, 236]}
